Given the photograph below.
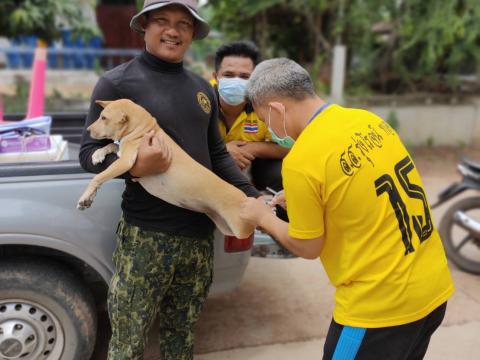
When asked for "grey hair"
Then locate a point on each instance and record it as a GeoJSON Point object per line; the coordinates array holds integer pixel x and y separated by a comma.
{"type": "Point", "coordinates": [279, 77]}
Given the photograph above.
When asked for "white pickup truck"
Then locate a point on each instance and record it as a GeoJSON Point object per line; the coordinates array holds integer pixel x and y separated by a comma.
{"type": "Point", "coordinates": [56, 261]}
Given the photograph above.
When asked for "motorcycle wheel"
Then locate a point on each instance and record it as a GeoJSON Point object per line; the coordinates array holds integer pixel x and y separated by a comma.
{"type": "Point", "coordinates": [458, 242]}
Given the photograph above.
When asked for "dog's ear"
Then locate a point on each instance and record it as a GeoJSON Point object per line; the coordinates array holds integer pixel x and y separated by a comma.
{"type": "Point", "coordinates": [124, 118]}
{"type": "Point", "coordinates": [103, 103]}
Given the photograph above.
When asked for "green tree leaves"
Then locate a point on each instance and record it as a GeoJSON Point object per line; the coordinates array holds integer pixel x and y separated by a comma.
{"type": "Point", "coordinates": [41, 18]}
{"type": "Point", "coordinates": [393, 45]}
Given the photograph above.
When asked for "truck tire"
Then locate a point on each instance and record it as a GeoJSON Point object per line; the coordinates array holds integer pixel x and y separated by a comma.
{"type": "Point", "coordinates": [446, 227]}
{"type": "Point", "coordinates": [45, 312]}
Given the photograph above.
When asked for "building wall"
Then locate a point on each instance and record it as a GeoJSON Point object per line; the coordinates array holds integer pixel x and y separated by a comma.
{"type": "Point", "coordinates": [436, 124]}
{"type": "Point", "coordinates": [432, 124]}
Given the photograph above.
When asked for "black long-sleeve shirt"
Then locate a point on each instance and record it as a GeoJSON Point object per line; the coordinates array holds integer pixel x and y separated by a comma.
{"type": "Point", "coordinates": [185, 107]}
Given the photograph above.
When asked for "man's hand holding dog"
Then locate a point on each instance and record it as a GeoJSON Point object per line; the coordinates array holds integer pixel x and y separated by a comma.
{"type": "Point", "coordinates": [154, 156]}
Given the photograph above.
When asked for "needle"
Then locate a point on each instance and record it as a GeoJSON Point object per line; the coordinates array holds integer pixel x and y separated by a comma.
{"type": "Point", "coordinates": [275, 193]}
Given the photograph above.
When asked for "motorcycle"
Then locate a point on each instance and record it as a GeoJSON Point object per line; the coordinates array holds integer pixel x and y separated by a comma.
{"type": "Point", "coordinates": [460, 225]}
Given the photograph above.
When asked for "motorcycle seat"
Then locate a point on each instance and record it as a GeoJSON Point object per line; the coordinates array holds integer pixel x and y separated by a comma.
{"type": "Point", "coordinates": [471, 164]}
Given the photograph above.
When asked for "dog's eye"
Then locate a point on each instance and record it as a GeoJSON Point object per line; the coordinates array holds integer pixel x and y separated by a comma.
{"type": "Point", "coordinates": [103, 118]}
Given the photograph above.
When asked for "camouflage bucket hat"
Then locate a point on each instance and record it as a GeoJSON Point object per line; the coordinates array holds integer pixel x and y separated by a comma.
{"type": "Point", "coordinates": [201, 26]}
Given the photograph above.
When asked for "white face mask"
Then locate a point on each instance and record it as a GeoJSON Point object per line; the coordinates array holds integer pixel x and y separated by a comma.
{"type": "Point", "coordinates": [232, 90]}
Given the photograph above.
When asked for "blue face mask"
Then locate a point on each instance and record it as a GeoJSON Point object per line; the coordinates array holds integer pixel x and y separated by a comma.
{"type": "Point", "coordinates": [232, 90]}
{"type": "Point", "coordinates": [287, 141]}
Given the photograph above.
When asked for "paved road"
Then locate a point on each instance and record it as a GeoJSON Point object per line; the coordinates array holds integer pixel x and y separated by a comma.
{"type": "Point", "coordinates": [282, 309]}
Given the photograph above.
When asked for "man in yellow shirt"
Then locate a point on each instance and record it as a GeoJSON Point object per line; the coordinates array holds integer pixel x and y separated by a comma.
{"type": "Point", "coordinates": [356, 200]}
{"type": "Point", "coordinates": [247, 138]}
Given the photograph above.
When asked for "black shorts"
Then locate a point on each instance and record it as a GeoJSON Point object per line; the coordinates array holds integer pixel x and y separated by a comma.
{"type": "Point", "coordinates": [404, 342]}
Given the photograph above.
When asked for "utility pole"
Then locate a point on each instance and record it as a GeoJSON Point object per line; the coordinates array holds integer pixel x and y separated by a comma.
{"type": "Point", "coordinates": [337, 81]}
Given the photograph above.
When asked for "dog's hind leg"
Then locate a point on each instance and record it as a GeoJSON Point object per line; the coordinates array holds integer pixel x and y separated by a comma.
{"type": "Point", "coordinates": [220, 223]}
{"type": "Point", "coordinates": [238, 228]}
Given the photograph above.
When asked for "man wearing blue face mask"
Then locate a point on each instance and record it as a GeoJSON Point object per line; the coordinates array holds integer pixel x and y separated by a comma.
{"type": "Point", "coordinates": [248, 139]}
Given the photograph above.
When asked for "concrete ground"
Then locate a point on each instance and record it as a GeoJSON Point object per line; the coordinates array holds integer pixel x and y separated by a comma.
{"type": "Point", "coordinates": [456, 339]}
{"type": "Point", "coordinates": [282, 309]}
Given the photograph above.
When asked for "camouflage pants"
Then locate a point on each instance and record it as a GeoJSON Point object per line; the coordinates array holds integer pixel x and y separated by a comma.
{"type": "Point", "coordinates": [157, 274]}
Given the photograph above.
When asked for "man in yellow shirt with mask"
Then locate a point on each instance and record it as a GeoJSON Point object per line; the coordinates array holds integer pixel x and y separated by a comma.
{"type": "Point", "coordinates": [356, 200]}
{"type": "Point", "coordinates": [247, 138]}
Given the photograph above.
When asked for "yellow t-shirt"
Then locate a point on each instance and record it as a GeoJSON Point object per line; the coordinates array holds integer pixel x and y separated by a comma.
{"type": "Point", "coordinates": [247, 127]}
{"type": "Point", "coordinates": [349, 178]}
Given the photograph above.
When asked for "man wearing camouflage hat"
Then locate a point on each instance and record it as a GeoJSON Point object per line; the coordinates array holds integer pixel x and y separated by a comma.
{"type": "Point", "coordinates": [164, 254]}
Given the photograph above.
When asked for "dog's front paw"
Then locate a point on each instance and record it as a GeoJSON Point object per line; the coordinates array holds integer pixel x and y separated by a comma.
{"type": "Point", "coordinates": [98, 156]}
{"type": "Point", "coordinates": [84, 204]}
{"type": "Point", "coordinates": [86, 199]}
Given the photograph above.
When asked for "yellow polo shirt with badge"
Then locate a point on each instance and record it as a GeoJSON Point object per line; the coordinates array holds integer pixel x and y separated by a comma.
{"type": "Point", "coordinates": [349, 179]}
{"type": "Point", "coordinates": [247, 127]}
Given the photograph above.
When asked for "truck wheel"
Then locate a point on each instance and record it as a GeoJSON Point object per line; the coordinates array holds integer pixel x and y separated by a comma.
{"type": "Point", "coordinates": [457, 241]}
{"type": "Point", "coordinates": [45, 312]}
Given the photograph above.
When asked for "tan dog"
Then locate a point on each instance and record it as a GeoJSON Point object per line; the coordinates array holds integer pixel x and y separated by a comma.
{"type": "Point", "coordinates": [128, 122]}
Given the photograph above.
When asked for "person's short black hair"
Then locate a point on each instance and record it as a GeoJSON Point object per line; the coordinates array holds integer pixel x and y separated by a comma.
{"type": "Point", "coordinates": [237, 48]}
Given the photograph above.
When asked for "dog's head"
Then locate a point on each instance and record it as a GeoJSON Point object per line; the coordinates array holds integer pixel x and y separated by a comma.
{"type": "Point", "coordinates": [112, 122]}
